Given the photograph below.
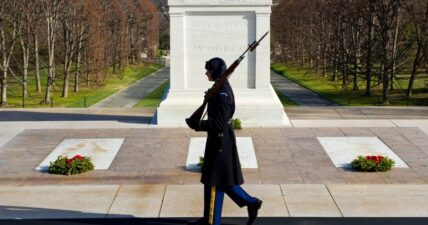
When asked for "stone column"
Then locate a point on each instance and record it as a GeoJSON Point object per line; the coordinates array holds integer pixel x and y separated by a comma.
{"type": "Point", "coordinates": [263, 51]}
{"type": "Point", "coordinates": [177, 50]}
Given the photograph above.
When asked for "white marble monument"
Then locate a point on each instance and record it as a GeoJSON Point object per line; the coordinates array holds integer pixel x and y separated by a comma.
{"type": "Point", "coordinates": [203, 29]}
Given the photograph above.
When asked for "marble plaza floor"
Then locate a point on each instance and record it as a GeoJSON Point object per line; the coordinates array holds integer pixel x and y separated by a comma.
{"type": "Point", "coordinates": [147, 178]}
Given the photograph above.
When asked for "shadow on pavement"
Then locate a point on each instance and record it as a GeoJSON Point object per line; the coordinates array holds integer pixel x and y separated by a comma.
{"type": "Point", "coordinates": [225, 221]}
{"type": "Point", "coordinates": [46, 116]}
{"type": "Point", "coordinates": [24, 215]}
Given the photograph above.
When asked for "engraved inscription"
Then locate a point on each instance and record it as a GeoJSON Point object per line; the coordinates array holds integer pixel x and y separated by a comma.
{"type": "Point", "coordinates": [218, 48]}
{"type": "Point", "coordinates": [218, 24]}
{"type": "Point", "coordinates": [218, 35]}
{"type": "Point", "coordinates": [239, 1]}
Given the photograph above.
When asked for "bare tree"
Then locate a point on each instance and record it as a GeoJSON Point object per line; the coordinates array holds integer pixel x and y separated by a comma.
{"type": "Point", "coordinates": [10, 23]}
{"type": "Point", "coordinates": [70, 27]}
{"type": "Point", "coordinates": [51, 11]}
{"type": "Point", "coordinates": [162, 7]}
{"type": "Point", "coordinates": [34, 27]}
{"type": "Point", "coordinates": [419, 12]}
{"type": "Point", "coordinates": [385, 11]}
{"type": "Point", "coordinates": [369, 64]}
{"type": "Point", "coordinates": [356, 39]}
{"type": "Point", "coordinates": [26, 7]}
{"type": "Point", "coordinates": [80, 38]}
{"type": "Point", "coordinates": [97, 33]}
{"type": "Point", "coordinates": [150, 28]}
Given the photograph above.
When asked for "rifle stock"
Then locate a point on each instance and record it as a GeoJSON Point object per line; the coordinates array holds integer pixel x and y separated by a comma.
{"type": "Point", "coordinates": [197, 115]}
{"type": "Point", "coordinates": [218, 84]}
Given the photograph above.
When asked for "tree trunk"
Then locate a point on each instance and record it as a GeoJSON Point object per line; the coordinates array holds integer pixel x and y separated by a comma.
{"type": "Point", "coordinates": [79, 49]}
{"type": "Point", "coordinates": [385, 73]}
{"type": "Point", "coordinates": [323, 43]}
{"type": "Point", "coordinates": [355, 80]}
{"type": "Point", "coordinates": [302, 55]}
{"type": "Point", "coordinates": [88, 83]}
{"type": "Point", "coordinates": [421, 38]}
{"type": "Point", "coordinates": [335, 66]}
{"type": "Point", "coordinates": [120, 52]}
{"type": "Point", "coordinates": [133, 46]}
{"type": "Point", "coordinates": [356, 39]}
{"type": "Point", "coordinates": [67, 58]}
{"type": "Point", "coordinates": [7, 53]}
{"type": "Point", "coordinates": [37, 65]}
{"type": "Point", "coordinates": [394, 50]}
{"type": "Point", "coordinates": [345, 71]}
{"type": "Point", "coordinates": [3, 101]}
{"type": "Point", "coordinates": [114, 60]}
{"type": "Point", "coordinates": [25, 72]}
{"type": "Point", "coordinates": [66, 76]}
{"type": "Point", "coordinates": [25, 58]}
{"type": "Point", "coordinates": [414, 74]}
{"type": "Point", "coordinates": [324, 69]}
{"type": "Point", "coordinates": [115, 51]}
{"type": "Point", "coordinates": [51, 17]}
{"type": "Point", "coordinates": [77, 74]}
{"type": "Point", "coordinates": [369, 55]}
{"type": "Point", "coordinates": [345, 57]}
{"type": "Point", "coordinates": [317, 58]}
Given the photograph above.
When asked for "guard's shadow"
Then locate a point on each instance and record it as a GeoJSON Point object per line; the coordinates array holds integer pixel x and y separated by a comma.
{"type": "Point", "coordinates": [68, 217]}
{"type": "Point", "coordinates": [17, 215]}
{"type": "Point", "coordinates": [13, 215]}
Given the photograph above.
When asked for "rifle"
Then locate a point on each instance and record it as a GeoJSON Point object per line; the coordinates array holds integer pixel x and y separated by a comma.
{"type": "Point", "coordinates": [218, 84]}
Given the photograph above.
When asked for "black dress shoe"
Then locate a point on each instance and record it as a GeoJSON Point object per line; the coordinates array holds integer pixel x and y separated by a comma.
{"type": "Point", "coordinates": [201, 221]}
{"type": "Point", "coordinates": [253, 209]}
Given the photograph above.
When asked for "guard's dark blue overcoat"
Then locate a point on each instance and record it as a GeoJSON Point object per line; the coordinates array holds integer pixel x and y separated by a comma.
{"type": "Point", "coordinates": [221, 162]}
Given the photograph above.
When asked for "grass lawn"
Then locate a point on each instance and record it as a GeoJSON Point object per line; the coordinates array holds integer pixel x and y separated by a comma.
{"type": "Point", "coordinates": [93, 94]}
{"type": "Point", "coordinates": [333, 90]}
{"type": "Point", "coordinates": [154, 98]}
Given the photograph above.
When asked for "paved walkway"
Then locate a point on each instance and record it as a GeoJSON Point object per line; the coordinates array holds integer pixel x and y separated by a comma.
{"type": "Point", "coordinates": [147, 178]}
{"type": "Point", "coordinates": [14, 121]}
{"type": "Point", "coordinates": [297, 93]}
{"type": "Point", "coordinates": [175, 201]}
{"type": "Point", "coordinates": [131, 95]}
{"type": "Point", "coordinates": [158, 156]}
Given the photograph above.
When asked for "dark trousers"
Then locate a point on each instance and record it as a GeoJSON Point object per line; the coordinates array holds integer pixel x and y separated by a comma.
{"type": "Point", "coordinates": [213, 200]}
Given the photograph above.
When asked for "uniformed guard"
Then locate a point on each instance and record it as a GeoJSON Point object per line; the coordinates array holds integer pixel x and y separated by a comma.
{"type": "Point", "coordinates": [221, 171]}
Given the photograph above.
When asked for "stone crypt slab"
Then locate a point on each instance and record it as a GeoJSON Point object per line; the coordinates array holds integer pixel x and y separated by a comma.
{"type": "Point", "coordinates": [342, 150]}
{"type": "Point", "coordinates": [247, 155]}
{"type": "Point", "coordinates": [101, 150]}
{"type": "Point", "coordinates": [200, 30]}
